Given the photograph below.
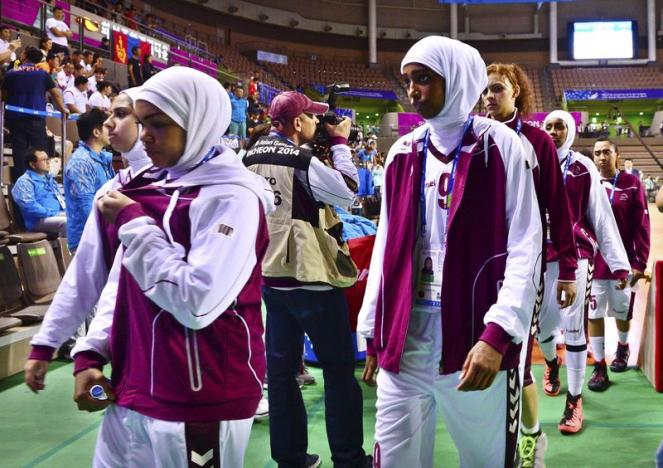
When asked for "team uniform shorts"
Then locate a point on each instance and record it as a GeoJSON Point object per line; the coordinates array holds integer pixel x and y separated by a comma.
{"type": "Point", "coordinates": [608, 301]}
{"type": "Point", "coordinates": [570, 321]}
{"type": "Point", "coordinates": [482, 424]}
{"type": "Point", "coordinates": [128, 439]}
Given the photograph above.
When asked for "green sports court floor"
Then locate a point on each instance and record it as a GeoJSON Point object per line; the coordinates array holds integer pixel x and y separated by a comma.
{"type": "Point", "coordinates": [623, 426]}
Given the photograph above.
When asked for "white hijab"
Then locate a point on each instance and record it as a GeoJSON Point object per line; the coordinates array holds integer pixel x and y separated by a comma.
{"type": "Point", "coordinates": [136, 156]}
{"type": "Point", "coordinates": [464, 72]}
{"type": "Point", "coordinates": [197, 103]}
{"type": "Point", "coordinates": [570, 123]}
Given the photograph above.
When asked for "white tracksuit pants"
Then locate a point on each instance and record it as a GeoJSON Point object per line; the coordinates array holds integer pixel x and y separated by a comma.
{"type": "Point", "coordinates": [128, 439]}
{"type": "Point", "coordinates": [571, 320]}
{"type": "Point", "coordinates": [483, 424]}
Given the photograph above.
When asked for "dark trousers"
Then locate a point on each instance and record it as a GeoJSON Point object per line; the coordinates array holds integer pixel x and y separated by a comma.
{"type": "Point", "coordinates": [323, 316]}
{"type": "Point", "coordinates": [25, 133]}
{"type": "Point", "coordinates": [57, 48]}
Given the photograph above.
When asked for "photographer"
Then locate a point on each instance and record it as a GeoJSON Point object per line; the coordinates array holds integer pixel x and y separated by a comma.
{"type": "Point", "coordinates": [305, 268]}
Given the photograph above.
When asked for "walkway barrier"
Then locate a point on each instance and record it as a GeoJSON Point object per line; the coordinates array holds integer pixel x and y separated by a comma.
{"type": "Point", "coordinates": [651, 348]}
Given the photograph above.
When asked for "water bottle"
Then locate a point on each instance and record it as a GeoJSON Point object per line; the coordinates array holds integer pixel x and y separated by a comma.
{"type": "Point", "coordinates": [659, 456]}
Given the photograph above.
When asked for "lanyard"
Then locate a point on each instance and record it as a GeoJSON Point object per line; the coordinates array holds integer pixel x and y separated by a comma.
{"type": "Point", "coordinates": [566, 167]}
{"type": "Point", "coordinates": [519, 127]}
{"type": "Point", "coordinates": [614, 187]}
{"type": "Point", "coordinates": [455, 157]}
{"type": "Point", "coordinates": [212, 153]}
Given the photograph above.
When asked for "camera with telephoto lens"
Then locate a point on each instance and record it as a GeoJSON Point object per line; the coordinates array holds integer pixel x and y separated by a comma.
{"type": "Point", "coordinates": [322, 141]}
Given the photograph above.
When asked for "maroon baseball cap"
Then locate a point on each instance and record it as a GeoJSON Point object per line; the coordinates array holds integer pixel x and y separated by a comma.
{"type": "Point", "coordinates": [290, 104]}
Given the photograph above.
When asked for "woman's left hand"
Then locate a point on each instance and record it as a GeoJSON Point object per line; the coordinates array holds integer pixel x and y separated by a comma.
{"type": "Point", "coordinates": [112, 203]}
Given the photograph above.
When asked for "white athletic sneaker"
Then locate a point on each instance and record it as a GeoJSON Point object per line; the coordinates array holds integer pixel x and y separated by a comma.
{"type": "Point", "coordinates": [532, 450]}
{"type": "Point", "coordinates": [263, 410]}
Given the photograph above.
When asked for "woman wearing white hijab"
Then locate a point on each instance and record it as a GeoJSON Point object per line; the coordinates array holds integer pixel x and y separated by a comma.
{"type": "Point", "coordinates": [458, 191]}
{"type": "Point", "coordinates": [124, 130]}
{"type": "Point", "coordinates": [594, 227]}
{"type": "Point", "coordinates": [183, 294]}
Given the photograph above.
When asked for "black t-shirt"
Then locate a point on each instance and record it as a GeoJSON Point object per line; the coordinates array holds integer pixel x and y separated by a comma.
{"type": "Point", "coordinates": [134, 63]}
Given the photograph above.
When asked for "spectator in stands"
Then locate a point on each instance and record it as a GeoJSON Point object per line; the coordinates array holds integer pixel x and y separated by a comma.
{"type": "Point", "coordinates": [148, 69]}
{"type": "Point", "coordinates": [117, 13]}
{"type": "Point", "coordinates": [650, 187]}
{"type": "Point", "coordinates": [98, 76]}
{"type": "Point", "coordinates": [78, 69]}
{"type": "Point", "coordinates": [38, 196]}
{"type": "Point", "coordinates": [368, 152]}
{"type": "Point", "coordinates": [254, 85]}
{"type": "Point", "coordinates": [89, 168]}
{"type": "Point", "coordinates": [130, 16]}
{"type": "Point", "coordinates": [77, 57]}
{"type": "Point", "coordinates": [629, 169]}
{"type": "Point", "coordinates": [378, 175]}
{"type": "Point", "coordinates": [252, 122]}
{"type": "Point", "coordinates": [48, 4]}
{"type": "Point", "coordinates": [240, 107]}
{"type": "Point", "coordinates": [366, 187]}
{"type": "Point", "coordinates": [75, 98]}
{"type": "Point", "coordinates": [43, 65]}
{"type": "Point", "coordinates": [88, 60]}
{"type": "Point", "coordinates": [53, 65]}
{"type": "Point", "coordinates": [100, 99]}
{"type": "Point", "coordinates": [105, 45]}
{"type": "Point", "coordinates": [97, 61]}
{"type": "Point", "coordinates": [58, 31]}
{"type": "Point", "coordinates": [66, 76]}
{"type": "Point", "coordinates": [254, 104]}
{"type": "Point", "coordinates": [45, 45]}
{"type": "Point", "coordinates": [7, 46]}
{"type": "Point", "coordinates": [135, 72]}
{"type": "Point", "coordinates": [26, 86]}
{"type": "Point", "coordinates": [150, 22]}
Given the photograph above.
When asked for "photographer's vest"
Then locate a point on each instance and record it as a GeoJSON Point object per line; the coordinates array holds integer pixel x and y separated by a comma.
{"type": "Point", "coordinates": [305, 236]}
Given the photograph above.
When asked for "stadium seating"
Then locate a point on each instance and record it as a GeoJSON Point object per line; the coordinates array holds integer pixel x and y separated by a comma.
{"type": "Point", "coordinates": [13, 302]}
{"type": "Point", "coordinates": [302, 71]}
{"type": "Point", "coordinates": [605, 78]}
{"type": "Point", "coordinates": [7, 225]}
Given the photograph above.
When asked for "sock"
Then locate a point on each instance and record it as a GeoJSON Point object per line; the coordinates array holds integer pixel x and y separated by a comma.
{"type": "Point", "coordinates": [598, 347]}
{"type": "Point", "coordinates": [623, 337]}
{"type": "Point", "coordinates": [531, 430]}
{"type": "Point", "coordinates": [549, 350]}
{"type": "Point", "coordinates": [576, 363]}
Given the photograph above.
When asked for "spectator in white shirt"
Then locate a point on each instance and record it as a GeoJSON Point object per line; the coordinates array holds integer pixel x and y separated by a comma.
{"type": "Point", "coordinates": [66, 75]}
{"type": "Point", "coordinates": [75, 98]}
{"type": "Point", "coordinates": [7, 47]}
{"type": "Point", "coordinates": [77, 57]}
{"type": "Point", "coordinates": [58, 31]}
{"type": "Point", "coordinates": [88, 69]}
{"type": "Point", "coordinates": [100, 99]}
{"type": "Point", "coordinates": [99, 75]}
